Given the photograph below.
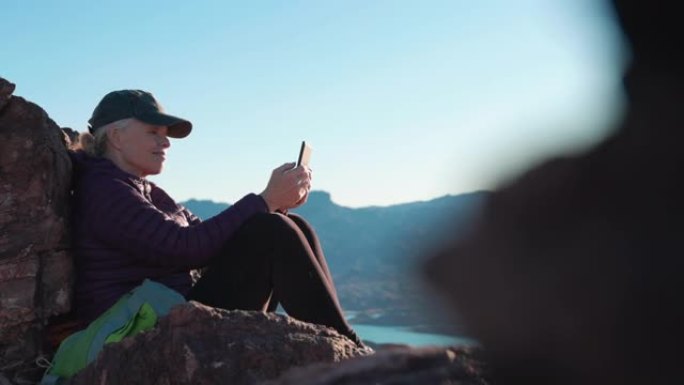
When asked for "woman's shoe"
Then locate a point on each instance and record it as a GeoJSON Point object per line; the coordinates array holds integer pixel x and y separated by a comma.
{"type": "Point", "coordinates": [359, 343]}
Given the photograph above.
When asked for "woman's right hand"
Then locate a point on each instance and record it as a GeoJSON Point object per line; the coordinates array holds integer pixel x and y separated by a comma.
{"type": "Point", "coordinates": [287, 187]}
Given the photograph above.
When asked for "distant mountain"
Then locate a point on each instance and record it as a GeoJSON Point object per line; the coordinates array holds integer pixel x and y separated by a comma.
{"type": "Point", "coordinates": [374, 252]}
{"type": "Point", "coordinates": [203, 208]}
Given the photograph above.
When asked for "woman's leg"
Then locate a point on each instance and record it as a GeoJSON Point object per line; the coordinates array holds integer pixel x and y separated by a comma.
{"type": "Point", "coordinates": [315, 245]}
{"type": "Point", "coordinates": [239, 277]}
{"type": "Point", "coordinates": [270, 254]}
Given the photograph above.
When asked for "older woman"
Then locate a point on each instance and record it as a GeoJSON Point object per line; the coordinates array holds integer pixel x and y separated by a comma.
{"type": "Point", "coordinates": [127, 229]}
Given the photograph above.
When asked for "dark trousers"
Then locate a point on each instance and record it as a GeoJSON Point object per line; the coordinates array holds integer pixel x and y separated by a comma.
{"type": "Point", "coordinates": [274, 258]}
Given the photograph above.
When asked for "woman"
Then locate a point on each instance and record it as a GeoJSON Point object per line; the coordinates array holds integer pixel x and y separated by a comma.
{"type": "Point", "coordinates": [127, 229]}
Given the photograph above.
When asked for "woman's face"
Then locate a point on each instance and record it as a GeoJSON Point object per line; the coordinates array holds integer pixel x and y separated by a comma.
{"type": "Point", "coordinates": [141, 148]}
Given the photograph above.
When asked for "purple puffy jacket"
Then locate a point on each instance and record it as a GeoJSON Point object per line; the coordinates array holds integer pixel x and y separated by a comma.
{"type": "Point", "coordinates": [126, 229]}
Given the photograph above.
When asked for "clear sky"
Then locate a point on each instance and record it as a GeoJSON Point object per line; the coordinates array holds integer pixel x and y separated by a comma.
{"type": "Point", "coordinates": [401, 100]}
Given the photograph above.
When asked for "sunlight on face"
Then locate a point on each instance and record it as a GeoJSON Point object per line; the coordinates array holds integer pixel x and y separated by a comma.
{"type": "Point", "coordinates": [142, 148]}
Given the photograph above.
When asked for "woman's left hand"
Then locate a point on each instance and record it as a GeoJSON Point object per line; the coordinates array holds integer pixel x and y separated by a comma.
{"type": "Point", "coordinates": [301, 201]}
{"type": "Point", "coordinates": [303, 190]}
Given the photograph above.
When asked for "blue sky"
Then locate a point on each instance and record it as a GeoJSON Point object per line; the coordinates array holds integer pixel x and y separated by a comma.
{"type": "Point", "coordinates": [401, 100]}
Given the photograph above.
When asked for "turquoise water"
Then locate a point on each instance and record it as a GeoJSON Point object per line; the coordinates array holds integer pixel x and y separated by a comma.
{"type": "Point", "coordinates": [404, 335]}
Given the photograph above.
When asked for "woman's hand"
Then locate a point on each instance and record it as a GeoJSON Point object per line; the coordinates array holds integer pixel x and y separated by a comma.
{"type": "Point", "coordinates": [288, 187]}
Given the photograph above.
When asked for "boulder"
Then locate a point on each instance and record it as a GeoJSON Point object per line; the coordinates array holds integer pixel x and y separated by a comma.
{"type": "Point", "coordinates": [35, 265]}
{"type": "Point", "coordinates": [396, 366]}
{"type": "Point", "coordinates": [197, 344]}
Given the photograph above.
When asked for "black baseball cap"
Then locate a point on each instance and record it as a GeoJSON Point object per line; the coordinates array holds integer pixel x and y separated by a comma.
{"type": "Point", "coordinates": [140, 105]}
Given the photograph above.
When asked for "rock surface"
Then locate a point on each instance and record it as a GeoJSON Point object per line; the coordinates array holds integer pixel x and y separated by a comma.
{"type": "Point", "coordinates": [398, 366]}
{"type": "Point", "coordinates": [35, 266]}
{"type": "Point", "coordinates": [197, 344]}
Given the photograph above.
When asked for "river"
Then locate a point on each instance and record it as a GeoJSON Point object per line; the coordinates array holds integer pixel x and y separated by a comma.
{"type": "Point", "coordinates": [404, 335]}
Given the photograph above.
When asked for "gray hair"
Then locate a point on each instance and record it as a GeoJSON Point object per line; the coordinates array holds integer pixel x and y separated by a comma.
{"type": "Point", "coordinates": [96, 145]}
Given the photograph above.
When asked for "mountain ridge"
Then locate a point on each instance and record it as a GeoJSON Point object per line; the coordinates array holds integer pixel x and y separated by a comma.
{"type": "Point", "coordinates": [206, 208]}
{"type": "Point", "coordinates": [327, 196]}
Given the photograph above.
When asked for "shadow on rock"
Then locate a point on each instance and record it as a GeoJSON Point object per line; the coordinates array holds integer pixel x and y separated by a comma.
{"type": "Point", "coordinates": [396, 366]}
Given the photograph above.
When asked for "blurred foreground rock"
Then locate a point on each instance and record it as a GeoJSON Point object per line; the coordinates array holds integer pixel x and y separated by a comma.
{"type": "Point", "coordinates": [197, 344]}
{"type": "Point", "coordinates": [397, 366]}
{"type": "Point", "coordinates": [573, 274]}
{"type": "Point", "coordinates": [35, 265]}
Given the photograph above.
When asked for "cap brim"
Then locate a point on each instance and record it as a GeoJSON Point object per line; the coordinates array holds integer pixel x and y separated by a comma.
{"type": "Point", "coordinates": [178, 127]}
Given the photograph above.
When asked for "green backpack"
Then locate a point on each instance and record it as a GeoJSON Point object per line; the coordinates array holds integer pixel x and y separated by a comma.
{"type": "Point", "coordinates": [135, 312]}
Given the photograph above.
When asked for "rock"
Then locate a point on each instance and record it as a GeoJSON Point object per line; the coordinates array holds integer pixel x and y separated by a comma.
{"type": "Point", "coordinates": [197, 344]}
{"type": "Point", "coordinates": [573, 273]}
{"type": "Point", "coordinates": [35, 265]}
{"type": "Point", "coordinates": [4, 380]}
{"type": "Point", "coordinates": [397, 366]}
{"type": "Point", "coordinates": [6, 90]}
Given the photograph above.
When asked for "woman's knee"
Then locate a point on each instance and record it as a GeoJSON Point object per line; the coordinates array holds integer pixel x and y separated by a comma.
{"type": "Point", "coordinates": [272, 225]}
{"type": "Point", "coordinates": [300, 222]}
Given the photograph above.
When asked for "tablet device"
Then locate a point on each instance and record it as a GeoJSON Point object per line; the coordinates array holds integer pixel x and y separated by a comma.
{"type": "Point", "coordinates": [304, 154]}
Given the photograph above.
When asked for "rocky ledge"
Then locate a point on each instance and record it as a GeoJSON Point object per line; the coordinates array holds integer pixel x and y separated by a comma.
{"type": "Point", "coordinates": [197, 344]}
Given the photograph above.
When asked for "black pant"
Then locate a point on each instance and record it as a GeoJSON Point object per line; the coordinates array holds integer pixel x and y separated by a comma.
{"type": "Point", "coordinates": [274, 258]}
